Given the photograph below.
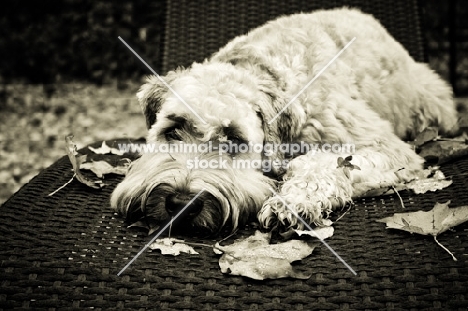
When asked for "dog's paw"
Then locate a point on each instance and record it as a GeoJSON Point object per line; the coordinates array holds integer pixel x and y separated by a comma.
{"type": "Point", "coordinates": [302, 203]}
{"type": "Point", "coordinates": [311, 194]}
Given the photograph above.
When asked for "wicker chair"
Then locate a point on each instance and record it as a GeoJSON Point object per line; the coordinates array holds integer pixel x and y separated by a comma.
{"type": "Point", "coordinates": [64, 251]}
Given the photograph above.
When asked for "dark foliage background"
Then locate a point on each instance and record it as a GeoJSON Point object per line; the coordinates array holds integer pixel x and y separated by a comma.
{"type": "Point", "coordinates": [445, 25]}
{"type": "Point", "coordinates": [58, 41]}
{"type": "Point", "coordinates": [55, 41]}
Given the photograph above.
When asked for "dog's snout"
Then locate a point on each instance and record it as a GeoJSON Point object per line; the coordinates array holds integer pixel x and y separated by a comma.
{"type": "Point", "coordinates": [175, 203]}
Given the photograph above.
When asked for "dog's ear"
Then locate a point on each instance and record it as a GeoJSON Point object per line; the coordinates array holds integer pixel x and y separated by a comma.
{"type": "Point", "coordinates": [153, 93]}
{"type": "Point", "coordinates": [276, 131]}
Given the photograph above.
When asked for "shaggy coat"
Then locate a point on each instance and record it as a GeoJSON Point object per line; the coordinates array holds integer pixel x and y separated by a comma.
{"type": "Point", "coordinates": [257, 90]}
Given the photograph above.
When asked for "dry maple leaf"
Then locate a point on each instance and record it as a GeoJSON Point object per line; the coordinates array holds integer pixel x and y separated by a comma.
{"type": "Point", "coordinates": [105, 149]}
{"type": "Point", "coordinates": [433, 222]}
{"type": "Point", "coordinates": [172, 246]}
{"type": "Point", "coordinates": [101, 168]}
{"type": "Point", "coordinates": [76, 161]}
{"type": "Point", "coordinates": [255, 258]}
{"type": "Point", "coordinates": [431, 179]}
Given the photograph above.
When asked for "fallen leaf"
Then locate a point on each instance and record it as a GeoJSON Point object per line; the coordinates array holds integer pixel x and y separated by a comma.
{"type": "Point", "coordinates": [443, 151]}
{"type": "Point", "coordinates": [429, 134]}
{"type": "Point", "coordinates": [255, 258]}
{"type": "Point", "coordinates": [76, 160]}
{"type": "Point", "coordinates": [290, 233]}
{"type": "Point", "coordinates": [105, 149]}
{"type": "Point", "coordinates": [347, 165]}
{"type": "Point", "coordinates": [101, 168]}
{"type": "Point", "coordinates": [172, 246]}
{"type": "Point", "coordinates": [434, 183]}
{"type": "Point", "coordinates": [327, 222]}
{"type": "Point", "coordinates": [433, 222]}
{"type": "Point", "coordinates": [321, 233]}
{"type": "Point", "coordinates": [431, 179]}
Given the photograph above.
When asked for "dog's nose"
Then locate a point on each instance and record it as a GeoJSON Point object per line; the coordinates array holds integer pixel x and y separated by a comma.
{"type": "Point", "coordinates": [175, 203]}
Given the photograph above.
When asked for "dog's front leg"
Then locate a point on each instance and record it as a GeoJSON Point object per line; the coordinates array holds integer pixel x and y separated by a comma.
{"type": "Point", "coordinates": [313, 186]}
{"type": "Point", "coordinates": [317, 183]}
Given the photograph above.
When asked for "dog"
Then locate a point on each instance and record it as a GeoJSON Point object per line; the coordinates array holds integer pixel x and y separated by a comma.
{"type": "Point", "coordinates": [264, 89]}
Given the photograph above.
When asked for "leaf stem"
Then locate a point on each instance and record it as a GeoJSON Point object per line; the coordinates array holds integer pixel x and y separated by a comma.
{"type": "Point", "coordinates": [341, 216]}
{"type": "Point", "coordinates": [446, 249]}
{"type": "Point", "coordinates": [63, 186]}
{"type": "Point", "coordinates": [399, 196]}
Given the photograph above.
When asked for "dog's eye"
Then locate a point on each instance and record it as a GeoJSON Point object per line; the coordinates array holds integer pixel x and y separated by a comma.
{"type": "Point", "coordinates": [236, 140]}
{"type": "Point", "coordinates": [172, 135]}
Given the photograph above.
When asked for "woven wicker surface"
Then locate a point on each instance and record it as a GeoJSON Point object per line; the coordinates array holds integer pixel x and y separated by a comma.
{"type": "Point", "coordinates": [64, 252]}
{"type": "Point", "coordinates": [196, 29]}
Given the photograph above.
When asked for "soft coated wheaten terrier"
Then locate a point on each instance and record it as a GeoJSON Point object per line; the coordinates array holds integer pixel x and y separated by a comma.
{"type": "Point", "coordinates": [256, 91]}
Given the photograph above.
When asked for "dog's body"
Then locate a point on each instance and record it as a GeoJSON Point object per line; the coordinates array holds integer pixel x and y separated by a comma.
{"type": "Point", "coordinates": [372, 96]}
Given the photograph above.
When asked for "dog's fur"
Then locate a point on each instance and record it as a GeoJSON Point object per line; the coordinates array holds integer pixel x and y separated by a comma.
{"type": "Point", "coordinates": [373, 96]}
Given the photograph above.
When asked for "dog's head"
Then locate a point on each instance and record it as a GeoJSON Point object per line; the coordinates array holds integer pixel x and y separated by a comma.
{"type": "Point", "coordinates": [218, 101]}
{"type": "Point", "coordinates": [217, 106]}
{"type": "Point", "coordinates": [159, 187]}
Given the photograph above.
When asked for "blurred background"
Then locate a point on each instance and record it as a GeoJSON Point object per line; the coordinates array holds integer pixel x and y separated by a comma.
{"type": "Point", "coordinates": [64, 71]}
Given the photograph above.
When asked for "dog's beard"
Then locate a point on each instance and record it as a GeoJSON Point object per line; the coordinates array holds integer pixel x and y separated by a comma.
{"type": "Point", "coordinates": [230, 197]}
{"type": "Point", "coordinates": [153, 209]}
